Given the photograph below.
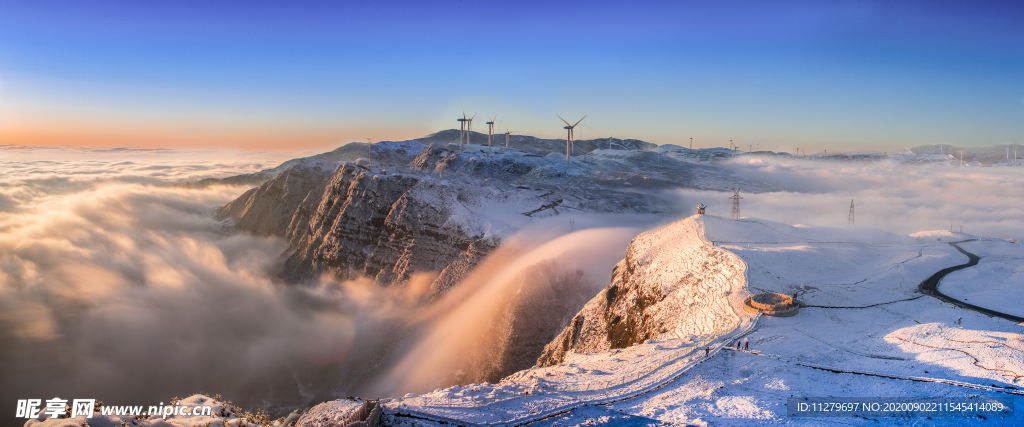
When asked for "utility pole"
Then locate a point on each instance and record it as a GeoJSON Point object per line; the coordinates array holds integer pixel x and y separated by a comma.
{"type": "Point", "coordinates": [850, 221]}
{"type": "Point", "coordinates": [736, 203]}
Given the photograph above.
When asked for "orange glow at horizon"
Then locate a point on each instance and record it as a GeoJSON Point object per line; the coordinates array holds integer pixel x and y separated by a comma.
{"type": "Point", "coordinates": [263, 137]}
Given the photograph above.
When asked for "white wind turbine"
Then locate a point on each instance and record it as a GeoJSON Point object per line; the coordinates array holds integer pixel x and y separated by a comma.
{"type": "Point", "coordinates": [469, 127]}
{"type": "Point", "coordinates": [507, 133]}
{"type": "Point", "coordinates": [490, 131]}
{"type": "Point", "coordinates": [568, 139]}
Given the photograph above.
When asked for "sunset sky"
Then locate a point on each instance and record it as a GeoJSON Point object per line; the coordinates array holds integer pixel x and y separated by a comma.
{"type": "Point", "coordinates": [313, 75]}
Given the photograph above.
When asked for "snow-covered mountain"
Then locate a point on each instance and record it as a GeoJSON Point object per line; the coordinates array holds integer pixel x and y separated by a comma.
{"type": "Point", "coordinates": [672, 284]}
{"type": "Point", "coordinates": [411, 206]}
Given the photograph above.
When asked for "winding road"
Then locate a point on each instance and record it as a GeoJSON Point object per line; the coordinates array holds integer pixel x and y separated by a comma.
{"type": "Point", "coordinates": [930, 286]}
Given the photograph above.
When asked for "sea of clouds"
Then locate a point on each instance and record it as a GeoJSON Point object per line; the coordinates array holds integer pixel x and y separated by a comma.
{"type": "Point", "coordinates": [887, 195]}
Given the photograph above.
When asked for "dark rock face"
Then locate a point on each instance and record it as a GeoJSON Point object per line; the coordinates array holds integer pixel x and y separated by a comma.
{"type": "Point", "coordinates": [376, 226]}
{"type": "Point", "coordinates": [351, 223]}
{"type": "Point", "coordinates": [621, 308]}
{"type": "Point", "coordinates": [282, 205]}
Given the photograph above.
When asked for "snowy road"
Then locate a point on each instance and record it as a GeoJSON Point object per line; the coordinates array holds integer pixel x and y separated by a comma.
{"type": "Point", "coordinates": [930, 286]}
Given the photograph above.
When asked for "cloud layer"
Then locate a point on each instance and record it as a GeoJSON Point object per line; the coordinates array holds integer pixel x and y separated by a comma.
{"type": "Point", "coordinates": [903, 199]}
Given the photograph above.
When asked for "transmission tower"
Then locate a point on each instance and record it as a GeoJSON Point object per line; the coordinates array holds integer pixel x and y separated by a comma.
{"type": "Point", "coordinates": [735, 203]}
{"type": "Point", "coordinates": [851, 214]}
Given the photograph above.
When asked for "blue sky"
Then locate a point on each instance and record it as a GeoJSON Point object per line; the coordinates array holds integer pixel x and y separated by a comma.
{"type": "Point", "coordinates": [816, 75]}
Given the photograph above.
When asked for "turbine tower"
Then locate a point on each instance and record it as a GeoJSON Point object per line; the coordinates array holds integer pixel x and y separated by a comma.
{"type": "Point", "coordinates": [568, 139]}
{"type": "Point", "coordinates": [507, 133]}
{"type": "Point", "coordinates": [735, 203]}
{"type": "Point", "coordinates": [462, 126]}
{"type": "Point", "coordinates": [469, 127]}
{"type": "Point", "coordinates": [490, 132]}
{"type": "Point", "coordinates": [850, 220]}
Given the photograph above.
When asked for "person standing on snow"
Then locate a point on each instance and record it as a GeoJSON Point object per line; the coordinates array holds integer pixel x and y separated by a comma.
{"type": "Point", "coordinates": [746, 344]}
{"type": "Point", "coordinates": [707, 351]}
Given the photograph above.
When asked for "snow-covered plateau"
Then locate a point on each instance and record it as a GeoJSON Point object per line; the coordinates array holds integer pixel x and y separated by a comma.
{"type": "Point", "coordinates": [864, 331]}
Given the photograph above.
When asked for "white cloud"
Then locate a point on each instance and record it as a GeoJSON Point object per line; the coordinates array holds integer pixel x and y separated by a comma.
{"type": "Point", "coordinates": [896, 198]}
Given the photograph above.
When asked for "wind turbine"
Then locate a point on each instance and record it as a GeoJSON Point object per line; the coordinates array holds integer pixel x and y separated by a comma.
{"type": "Point", "coordinates": [462, 123]}
{"type": "Point", "coordinates": [490, 132]}
{"type": "Point", "coordinates": [507, 133]}
{"type": "Point", "coordinates": [568, 139]}
{"type": "Point", "coordinates": [469, 127]}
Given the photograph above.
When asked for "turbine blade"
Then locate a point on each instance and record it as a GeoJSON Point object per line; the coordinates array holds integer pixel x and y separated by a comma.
{"type": "Point", "coordinates": [584, 116]}
{"type": "Point", "coordinates": [563, 120]}
{"type": "Point", "coordinates": [463, 109]}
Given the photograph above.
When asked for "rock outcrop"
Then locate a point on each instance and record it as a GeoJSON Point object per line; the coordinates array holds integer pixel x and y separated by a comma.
{"type": "Point", "coordinates": [672, 284]}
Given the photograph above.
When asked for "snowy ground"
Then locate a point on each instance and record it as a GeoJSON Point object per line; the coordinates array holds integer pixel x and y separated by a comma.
{"type": "Point", "coordinates": [864, 319]}
{"type": "Point", "coordinates": [996, 283]}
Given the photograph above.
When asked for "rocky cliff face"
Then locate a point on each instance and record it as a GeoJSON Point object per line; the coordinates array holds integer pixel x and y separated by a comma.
{"type": "Point", "coordinates": [419, 209]}
{"type": "Point", "coordinates": [389, 227]}
{"type": "Point", "coordinates": [672, 284]}
{"type": "Point", "coordinates": [351, 222]}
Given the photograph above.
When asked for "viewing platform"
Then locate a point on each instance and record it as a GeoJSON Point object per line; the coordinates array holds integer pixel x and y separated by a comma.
{"type": "Point", "coordinates": [772, 304]}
